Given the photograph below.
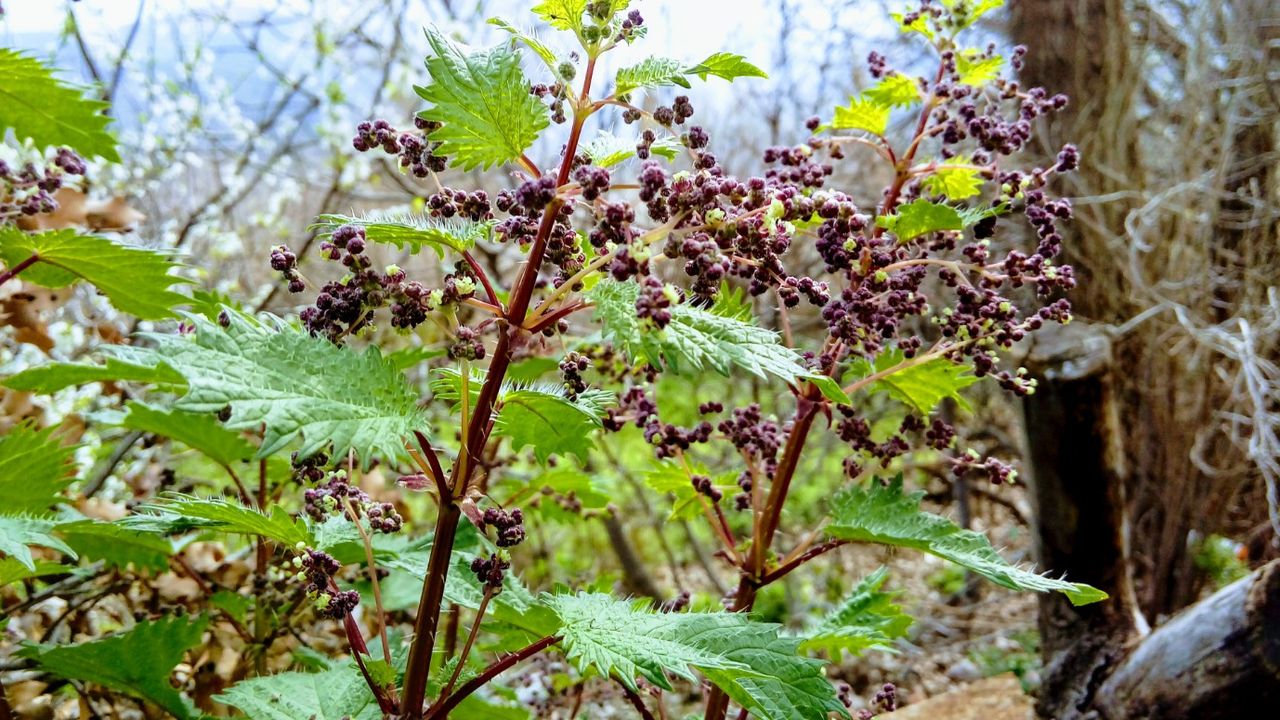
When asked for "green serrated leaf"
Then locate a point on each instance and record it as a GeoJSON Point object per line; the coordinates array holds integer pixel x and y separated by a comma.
{"type": "Point", "coordinates": [867, 618]}
{"type": "Point", "coordinates": [780, 685]}
{"type": "Point", "coordinates": [921, 217]}
{"type": "Point", "coordinates": [116, 545]}
{"type": "Point", "coordinates": [530, 39]}
{"type": "Point", "coordinates": [728, 66]}
{"type": "Point", "coordinates": [894, 91]}
{"type": "Point", "coordinates": [955, 183]}
{"type": "Point", "coordinates": [650, 73]}
{"type": "Point", "coordinates": [537, 413]}
{"type": "Point", "coordinates": [697, 339]}
{"type": "Point", "coordinates": [482, 99]}
{"type": "Point", "coordinates": [294, 384]}
{"type": "Point", "coordinates": [52, 377]}
{"type": "Point", "coordinates": [562, 14]}
{"type": "Point", "coordinates": [182, 513]}
{"type": "Point", "coordinates": [135, 280]}
{"type": "Point", "coordinates": [920, 386]}
{"type": "Point", "coordinates": [339, 693]}
{"type": "Point", "coordinates": [137, 662]}
{"type": "Point", "coordinates": [862, 114]}
{"type": "Point", "coordinates": [34, 469]}
{"type": "Point", "coordinates": [412, 231]}
{"type": "Point", "coordinates": [974, 70]}
{"type": "Point", "coordinates": [50, 112]}
{"type": "Point", "coordinates": [884, 513]}
{"type": "Point", "coordinates": [628, 640]}
{"type": "Point", "coordinates": [19, 531]}
{"type": "Point", "coordinates": [919, 25]}
{"type": "Point", "coordinates": [748, 660]}
{"type": "Point", "coordinates": [200, 432]}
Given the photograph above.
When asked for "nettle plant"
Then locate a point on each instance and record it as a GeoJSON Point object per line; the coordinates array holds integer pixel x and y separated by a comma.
{"type": "Point", "coordinates": [640, 253]}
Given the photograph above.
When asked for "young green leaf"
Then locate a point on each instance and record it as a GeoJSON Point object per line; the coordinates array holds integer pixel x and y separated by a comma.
{"type": "Point", "coordinates": [728, 66]}
{"type": "Point", "coordinates": [51, 377]}
{"type": "Point", "coordinates": [482, 100]}
{"type": "Point", "coordinates": [672, 478]}
{"type": "Point", "coordinates": [182, 513]}
{"type": "Point", "coordinates": [294, 384]}
{"type": "Point", "coordinates": [413, 231]}
{"type": "Point", "coordinates": [885, 514]}
{"type": "Point", "coordinates": [19, 531]}
{"type": "Point", "coordinates": [977, 71]}
{"type": "Point", "coordinates": [607, 150]}
{"type": "Point", "coordinates": [867, 618]}
{"type": "Point", "coordinates": [339, 693]}
{"type": "Point", "coordinates": [922, 386]}
{"type": "Point", "coordinates": [135, 280]}
{"type": "Point", "coordinates": [34, 469]}
{"type": "Point", "coordinates": [562, 14]}
{"type": "Point", "coordinates": [651, 72]}
{"type": "Point", "coordinates": [116, 545]}
{"type": "Point", "coordinates": [921, 217]}
{"type": "Point", "coordinates": [137, 662]}
{"type": "Point", "coordinates": [955, 183]}
{"type": "Point", "coordinates": [539, 48]}
{"type": "Point", "coordinates": [50, 112]}
{"type": "Point", "coordinates": [975, 10]}
{"type": "Point", "coordinates": [746, 659]}
{"type": "Point", "coordinates": [199, 431]}
{"type": "Point", "coordinates": [699, 339]}
{"type": "Point", "coordinates": [894, 91]}
{"type": "Point", "coordinates": [862, 114]}
{"type": "Point", "coordinates": [920, 24]}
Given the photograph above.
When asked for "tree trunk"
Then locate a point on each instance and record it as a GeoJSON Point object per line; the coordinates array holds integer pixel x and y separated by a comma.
{"type": "Point", "coordinates": [1217, 659]}
{"type": "Point", "coordinates": [1076, 489]}
{"type": "Point", "coordinates": [636, 579]}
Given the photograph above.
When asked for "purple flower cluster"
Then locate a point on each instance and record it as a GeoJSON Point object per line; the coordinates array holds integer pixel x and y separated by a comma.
{"type": "Point", "coordinates": [416, 152]}
{"type": "Point", "coordinates": [490, 571]}
{"type": "Point", "coordinates": [571, 369]}
{"type": "Point", "coordinates": [638, 408]}
{"type": "Point", "coordinates": [317, 569]}
{"type": "Point", "coordinates": [336, 492]}
{"type": "Point", "coordinates": [29, 190]}
{"type": "Point", "coordinates": [509, 526]}
{"type": "Point", "coordinates": [347, 305]}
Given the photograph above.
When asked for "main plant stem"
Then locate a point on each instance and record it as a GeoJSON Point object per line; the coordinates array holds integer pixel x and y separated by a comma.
{"type": "Point", "coordinates": [755, 576]}
{"type": "Point", "coordinates": [750, 581]}
{"type": "Point", "coordinates": [477, 433]}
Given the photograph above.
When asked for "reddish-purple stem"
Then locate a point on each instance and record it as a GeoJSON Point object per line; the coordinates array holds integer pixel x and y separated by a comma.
{"type": "Point", "coordinates": [12, 272]}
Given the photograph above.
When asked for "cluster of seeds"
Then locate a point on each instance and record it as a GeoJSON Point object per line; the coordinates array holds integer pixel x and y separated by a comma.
{"type": "Point", "coordinates": [29, 190]}
{"type": "Point", "coordinates": [333, 496]}
{"type": "Point", "coordinates": [349, 304]}
{"type": "Point", "coordinates": [416, 152]}
{"type": "Point", "coordinates": [317, 570]}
